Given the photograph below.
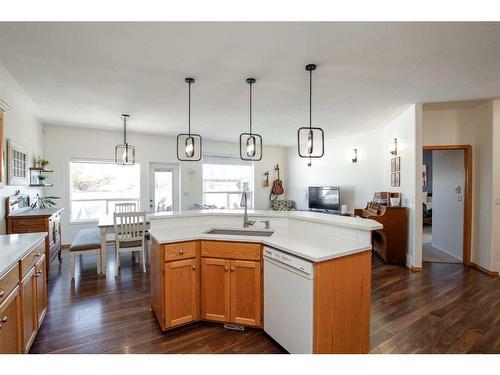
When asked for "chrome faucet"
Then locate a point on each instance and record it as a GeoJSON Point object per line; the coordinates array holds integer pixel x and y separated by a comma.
{"type": "Point", "coordinates": [244, 203]}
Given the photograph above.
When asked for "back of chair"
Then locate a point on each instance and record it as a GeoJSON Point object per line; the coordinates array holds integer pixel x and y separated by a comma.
{"type": "Point", "coordinates": [129, 226]}
{"type": "Point", "coordinates": [125, 207]}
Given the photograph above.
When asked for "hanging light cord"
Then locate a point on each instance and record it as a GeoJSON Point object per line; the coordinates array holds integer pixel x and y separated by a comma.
{"type": "Point", "coordinates": [189, 110]}
{"type": "Point", "coordinates": [124, 130]}
{"type": "Point", "coordinates": [310, 99]}
{"type": "Point", "coordinates": [250, 108]}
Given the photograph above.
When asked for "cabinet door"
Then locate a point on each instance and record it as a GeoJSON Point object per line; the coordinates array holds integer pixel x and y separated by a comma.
{"type": "Point", "coordinates": [41, 290]}
{"type": "Point", "coordinates": [28, 309]}
{"type": "Point", "coordinates": [181, 292]}
{"type": "Point", "coordinates": [10, 324]}
{"type": "Point", "coordinates": [215, 289]}
{"type": "Point", "coordinates": [246, 293]}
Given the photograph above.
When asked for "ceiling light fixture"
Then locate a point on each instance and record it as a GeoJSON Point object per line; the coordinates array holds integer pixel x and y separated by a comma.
{"type": "Point", "coordinates": [189, 146]}
{"type": "Point", "coordinates": [250, 143]}
{"type": "Point", "coordinates": [309, 137]}
{"type": "Point", "coordinates": [125, 153]}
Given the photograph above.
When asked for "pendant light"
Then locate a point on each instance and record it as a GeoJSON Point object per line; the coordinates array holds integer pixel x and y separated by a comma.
{"type": "Point", "coordinates": [250, 143]}
{"type": "Point", "coordinates": [310, 140]}
{"type": "Point", "coordinates": [125, 153]}
{"type": "Point", "coordinates": [189, 146]}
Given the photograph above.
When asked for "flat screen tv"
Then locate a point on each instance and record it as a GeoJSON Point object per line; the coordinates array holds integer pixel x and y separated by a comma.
{"type": "Point", "coordinates": [324, 198]}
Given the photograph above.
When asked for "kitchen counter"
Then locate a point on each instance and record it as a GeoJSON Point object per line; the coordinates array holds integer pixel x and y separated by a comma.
{"type": "Point", "coordinates": [15, 246]}
{"type": "Point", "coordinates": [42, 212]}
{"type": "Point", "coordinates": [309, 235]}
{"type": "Point", "coordinates": [309, 216]}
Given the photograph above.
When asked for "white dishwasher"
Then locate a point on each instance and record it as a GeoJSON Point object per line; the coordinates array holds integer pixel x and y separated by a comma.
{"type": "Point", "coordinates": [288, 300]}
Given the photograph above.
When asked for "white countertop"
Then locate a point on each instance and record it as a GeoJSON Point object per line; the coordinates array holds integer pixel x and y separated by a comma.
{"type": "Point", "coordinates": [14, 246]}
{"type": "Point", "coordinates": [318, 217]}
{"type": "Point", "coordinates": [305, 244]}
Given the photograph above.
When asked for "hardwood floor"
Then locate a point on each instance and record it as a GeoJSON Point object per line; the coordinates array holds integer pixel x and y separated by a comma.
{"type": "Point", "coordinates": [444, 309]}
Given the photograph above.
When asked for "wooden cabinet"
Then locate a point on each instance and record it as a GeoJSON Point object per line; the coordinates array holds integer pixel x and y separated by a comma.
{"type": "Point", "coordinates": [246, 292]}
{"type": "Point", "coordinates": [41, 291]}
{"type": "Point", "coordinates": [215, 289]}
{"type": "Point", "coordinates": [23, 299]}
{"type": "Point", "coordinates": [181, 292]}
{"type": "Point", "coordinates": [43, 220]}
{"type": "Point", "coordinates": [10, 324]}
{"type": "Point", "coordinates": [231, 289]}
{"type": "Point", "coordinates": [225, 285]}
{"type": "Point", "coordinates": [29, 309]}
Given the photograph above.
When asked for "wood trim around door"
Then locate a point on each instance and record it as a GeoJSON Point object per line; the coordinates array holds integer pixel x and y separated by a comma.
{"type": "Point", "coordinates": [467, 230]}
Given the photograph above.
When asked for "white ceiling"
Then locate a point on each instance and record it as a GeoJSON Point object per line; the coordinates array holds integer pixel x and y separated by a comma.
{"type": "Point", "coordinates": [87, 74]}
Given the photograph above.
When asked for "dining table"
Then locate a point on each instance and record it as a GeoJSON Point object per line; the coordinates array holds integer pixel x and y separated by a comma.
{"type": "Point", "coordinates": [106, 226]}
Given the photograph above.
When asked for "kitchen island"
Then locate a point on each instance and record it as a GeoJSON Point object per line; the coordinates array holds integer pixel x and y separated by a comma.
{"type": "Point", "coordinates": [306, 280]}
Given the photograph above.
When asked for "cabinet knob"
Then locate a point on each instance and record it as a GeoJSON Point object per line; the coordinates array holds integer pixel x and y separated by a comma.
{"type": "Point", "coordinates": [37, 255]}
{"type": "Point", "coordinates": [232, 269]}
{"type": "Point", "coordinates": [226, 269]}
{"type": "Point", "coordinates": [4, 320]}
{"type": "Point", "coordinates": [2, 293]}
{"type": "Point", "coordinates": [181, 252]}
{"type": "Point", "coordinates": [193, 267]}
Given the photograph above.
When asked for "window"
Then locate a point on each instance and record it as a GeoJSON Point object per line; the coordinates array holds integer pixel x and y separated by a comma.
{"type": "Point", "coordinates": [96, 186]}
{"type": "Point", "coordinates": [224, 179]}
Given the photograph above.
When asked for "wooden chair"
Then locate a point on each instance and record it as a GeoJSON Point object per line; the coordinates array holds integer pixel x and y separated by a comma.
{"type": "Point", "coordinates": [125, 207]}
{"type": "Point", "coordinates": [130, 228]}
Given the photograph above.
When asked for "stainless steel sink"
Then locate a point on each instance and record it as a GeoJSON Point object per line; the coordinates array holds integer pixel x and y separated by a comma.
{"type": "Point", "coordinates": [241, 232]}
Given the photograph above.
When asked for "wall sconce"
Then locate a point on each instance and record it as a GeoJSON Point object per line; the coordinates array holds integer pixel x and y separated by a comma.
{"type": "Point", "coordinates": [393, 146]}
{"type": "Point", "coordinates": [354, 155]}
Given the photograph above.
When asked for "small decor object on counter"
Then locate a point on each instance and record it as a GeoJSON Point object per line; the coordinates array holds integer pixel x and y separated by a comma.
{"type": "Point", "coordinates": [44, 202]}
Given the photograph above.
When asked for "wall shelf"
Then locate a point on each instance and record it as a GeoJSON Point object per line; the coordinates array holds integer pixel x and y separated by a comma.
{"type": "Point", "coordinates": [41, 185]}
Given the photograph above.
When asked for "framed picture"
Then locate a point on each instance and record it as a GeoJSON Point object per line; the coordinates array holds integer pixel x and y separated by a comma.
{"type": "Point", "coordinates": [397, 182]}
{"type": "Point", "coordinates": [397, 163]}
{"type": "Point", "coordinates": [17, 163]}
{"type": "Point", "coordinates": [393, 179]}
{"type": "Point", "coordinates": [393, 165]}
{"type": "Point", "coordinates": [1, 150]}
{"type": "Point", "coordinates": [424, 175]}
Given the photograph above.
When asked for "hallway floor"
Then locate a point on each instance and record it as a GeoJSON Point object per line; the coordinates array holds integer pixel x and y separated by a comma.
{"type": "Point", "coordinates": [431, 253]}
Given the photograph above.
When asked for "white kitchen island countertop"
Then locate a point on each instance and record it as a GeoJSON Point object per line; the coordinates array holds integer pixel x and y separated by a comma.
{"type": "Point", "coordinates": [308, 243]}
{"type": "Point", "coordinates": [15, 246]}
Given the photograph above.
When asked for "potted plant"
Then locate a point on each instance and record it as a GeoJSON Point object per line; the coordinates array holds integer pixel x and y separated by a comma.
{"type": "Point", "coordinates": [44, 163]}
{"type": "Point", "coordinates": [41, 179]}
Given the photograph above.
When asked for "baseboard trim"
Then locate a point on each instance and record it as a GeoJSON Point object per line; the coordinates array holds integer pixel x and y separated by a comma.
{"type": "Point", "coordinates": [482, 269]}
{"type": "Point", "coordinates": [416, 269]}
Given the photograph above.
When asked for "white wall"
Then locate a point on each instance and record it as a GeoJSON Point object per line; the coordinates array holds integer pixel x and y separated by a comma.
{"type": "Point", "coordinates": [447, 209]}
{"type": "Point", "coordinates": [469, 123]}
{"type": "Point", "coordinates": [495, 240]}
{"type": "Point", "coordinates": [63, 143]}
{"type": "Point", "coordinates": [21, 125]}
{"type": "Point", "coordinates": [358, 181]}
{"type": "Point", "coordinates": [406, 128]}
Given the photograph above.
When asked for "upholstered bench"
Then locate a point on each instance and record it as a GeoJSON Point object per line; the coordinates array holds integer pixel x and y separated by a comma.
{"type": "Point", "coordinates": [86, 241]}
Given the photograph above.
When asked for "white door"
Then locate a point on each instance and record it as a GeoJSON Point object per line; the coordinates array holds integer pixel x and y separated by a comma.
{"type": "Point", "coordinates": [448, 178]}
{"type": "Point", "coordinates": [164, 187]}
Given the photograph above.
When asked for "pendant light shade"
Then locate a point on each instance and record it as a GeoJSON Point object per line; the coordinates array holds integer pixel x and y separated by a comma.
{"type": "Point", "coordinates": [189, 145]}
{"type": "Point", "coordinates": [250, 143]}
{"type": "Point", "coordinates": [310, 139]}
{"type": "Point", "coordinates": [125, 153]}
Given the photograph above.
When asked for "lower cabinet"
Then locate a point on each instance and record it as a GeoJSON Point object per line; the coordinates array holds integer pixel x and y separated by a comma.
{"type": "Point", "coordinates": [231, 291]}
{"type": "Point", "coordinates": [215, 289]}
{"type": "Point", "coordinates": [10, 324]}
{"type": "Point", "coordinates": [29, 308]}
{"type": "Point", "coordinates": [41, 290]}
{"type": "Point", "coordinates": [181, 292]}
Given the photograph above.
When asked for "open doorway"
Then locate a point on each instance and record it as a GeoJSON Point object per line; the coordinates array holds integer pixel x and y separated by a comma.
{"type": "Point", "coordinates": [447, 188]}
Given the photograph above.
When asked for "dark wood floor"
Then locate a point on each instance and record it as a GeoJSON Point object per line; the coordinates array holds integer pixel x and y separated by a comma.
{"type": "Point", "coordinates": [444, 309]}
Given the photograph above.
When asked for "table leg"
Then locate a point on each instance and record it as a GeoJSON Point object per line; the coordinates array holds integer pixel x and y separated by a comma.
{"type": "Point", "coordinates": [104, 257]}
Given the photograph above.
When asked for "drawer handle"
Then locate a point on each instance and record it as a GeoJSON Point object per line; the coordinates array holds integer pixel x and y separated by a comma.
{"type": "Point", "coordinates": [4, 320]}
{"type": "Point", "coordinates": [181, 252]}
{"type": "Point", "coordinates": [2, 293]}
